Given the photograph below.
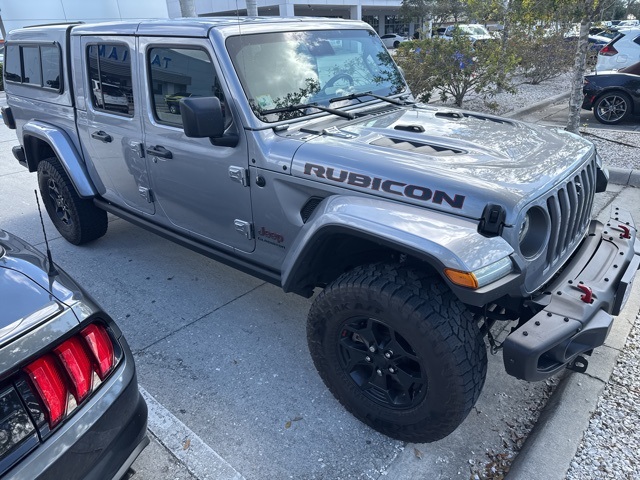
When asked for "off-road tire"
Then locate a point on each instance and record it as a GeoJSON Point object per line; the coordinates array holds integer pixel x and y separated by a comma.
{"type": "Point", "coordinates": [78, 220]}
{"type": "Point", "coordinates": [612, 108]}
{"type": "Point", "coordinates": [423, 320]}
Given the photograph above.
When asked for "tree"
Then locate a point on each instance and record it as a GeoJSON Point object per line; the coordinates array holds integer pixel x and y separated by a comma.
{"type": "Point", "coordinates": [455, 67]}
{"type": "Point", "coordinates": [586, 10]}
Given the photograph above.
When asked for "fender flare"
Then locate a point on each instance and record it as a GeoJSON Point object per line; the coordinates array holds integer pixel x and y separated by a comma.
{"type": "Point", "coordinates": [64, 149]}
{"type": "Point", "coordinates": [440, 239]}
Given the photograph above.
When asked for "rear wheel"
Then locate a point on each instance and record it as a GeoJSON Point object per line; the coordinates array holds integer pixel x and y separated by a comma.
{"type": "Point", "coordinates": [612, 108]}
{"type": "Point", "coordinates": [396, 44]}
{"type": "Point", "coordinates": [398, 350]}
{"type": "Point", "coordinates": [78, 220]}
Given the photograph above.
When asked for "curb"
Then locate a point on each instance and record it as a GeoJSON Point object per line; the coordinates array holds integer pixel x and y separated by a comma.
{"type": "Point", "coordinates": [624, 176]}
{"type": "Point", "coordinates": [537, 106]}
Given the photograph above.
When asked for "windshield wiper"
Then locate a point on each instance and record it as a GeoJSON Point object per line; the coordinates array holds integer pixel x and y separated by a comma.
{"type": "Point", "coordinates": [355, 96]}
{"type": "Point", "coordinates": [301, 106]}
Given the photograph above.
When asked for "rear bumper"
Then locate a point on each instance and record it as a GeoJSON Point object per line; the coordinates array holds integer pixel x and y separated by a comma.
{"type": "Point", "coordinates": [570, 323]}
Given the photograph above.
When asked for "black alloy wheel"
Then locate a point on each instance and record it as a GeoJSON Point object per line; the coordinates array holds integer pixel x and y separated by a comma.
{"type": "Point", "coordinates": [382, 363]}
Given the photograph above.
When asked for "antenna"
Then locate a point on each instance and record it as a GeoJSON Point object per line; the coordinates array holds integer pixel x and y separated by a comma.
{"type": "Point", "coordinates": [52, 269]}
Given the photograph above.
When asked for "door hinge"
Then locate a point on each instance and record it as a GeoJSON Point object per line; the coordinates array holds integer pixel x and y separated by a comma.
{"type": "Point", "coordinates": [146, 193]}
{"type": "Point", "coordinates": [240, 175]}
{"type": "Point", "coordinates": [245, 228]}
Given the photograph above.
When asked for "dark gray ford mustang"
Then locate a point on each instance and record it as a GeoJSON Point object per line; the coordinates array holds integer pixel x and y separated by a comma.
{"type": "Point", "coordinates": [69, 401]}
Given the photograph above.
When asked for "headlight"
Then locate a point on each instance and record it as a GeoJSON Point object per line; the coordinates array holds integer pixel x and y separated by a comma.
{"type": "Point", "coordinates": [534, 231]}
{"type": "Point", "coordinates": [481, 277]}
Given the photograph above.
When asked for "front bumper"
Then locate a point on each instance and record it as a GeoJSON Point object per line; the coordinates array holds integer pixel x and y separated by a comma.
{"type": "Point", "coordinates": [572, 321]}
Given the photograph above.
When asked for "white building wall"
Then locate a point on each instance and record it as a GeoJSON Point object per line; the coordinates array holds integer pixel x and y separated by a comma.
{"type": "Point", "coordinates": [20, 13]}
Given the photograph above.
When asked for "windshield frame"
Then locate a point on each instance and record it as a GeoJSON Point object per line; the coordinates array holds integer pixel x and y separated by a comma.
{"type": "Point", "coordinates": [364, 46]}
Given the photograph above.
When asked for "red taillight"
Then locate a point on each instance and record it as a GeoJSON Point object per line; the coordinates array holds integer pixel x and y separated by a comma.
{"type": "Point", "coordinates": [608, 51]}
{"type": "Point", "coordinates": [46, 377]}
{"type": "Point", "coordinates": [68, 372]}
{"type": "Point", "coordinates": [76, 362]}
{"type": "Point", "coordinates": [100, 345]}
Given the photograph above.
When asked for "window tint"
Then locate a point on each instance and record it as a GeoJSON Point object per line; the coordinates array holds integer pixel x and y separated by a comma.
{"type": "Point", "coordinates": [637, 40]}
{"type": "Point", "coordinates": [12, 69]}
{"type": "Point", "coordinates": [177, 73]}
{"type": "Point", "coordinates": [31, 66]}
{"type": "Point", "coordinates": [110, 79]}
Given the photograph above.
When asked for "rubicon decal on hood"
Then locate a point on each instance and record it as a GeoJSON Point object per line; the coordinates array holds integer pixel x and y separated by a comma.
{"type": "Point", "coordinates": [402, 189]}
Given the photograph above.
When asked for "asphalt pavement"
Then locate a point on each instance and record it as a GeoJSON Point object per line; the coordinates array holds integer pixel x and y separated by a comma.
{"type": "Point", "coordinates": [223, 363]}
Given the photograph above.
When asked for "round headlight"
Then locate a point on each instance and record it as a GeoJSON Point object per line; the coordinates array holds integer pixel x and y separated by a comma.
{"type": "Point", "coordinates": [534, 231]}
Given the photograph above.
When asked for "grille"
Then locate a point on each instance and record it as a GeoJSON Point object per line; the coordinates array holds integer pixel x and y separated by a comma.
{"type": "Point", "coordinates": [570, 211]}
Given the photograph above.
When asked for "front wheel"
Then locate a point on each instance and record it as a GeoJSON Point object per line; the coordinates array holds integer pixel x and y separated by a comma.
{"type": "Point", "coordinates": [398, 350]}
{"type": "Point", "coordinates": [78, 220]}
{"type": "Point", "coordinates": [612, 108]}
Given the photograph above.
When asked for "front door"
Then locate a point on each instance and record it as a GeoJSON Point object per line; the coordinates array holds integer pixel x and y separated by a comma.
{"type": "Point", "coordinates": [198, 186]}
{"type": "Point", "coordinates": [111, 127]}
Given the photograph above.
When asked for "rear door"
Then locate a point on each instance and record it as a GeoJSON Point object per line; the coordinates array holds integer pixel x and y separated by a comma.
{"type": "Point", "coordinates": [202, 189]}
{"type": "Point", "coordinates": [111, 127]}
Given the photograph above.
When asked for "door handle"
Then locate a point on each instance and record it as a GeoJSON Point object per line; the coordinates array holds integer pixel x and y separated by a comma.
{"type": "Point", "coordinates": [102, 136]}
{"type": "Point", "coordinates": [159, 151]}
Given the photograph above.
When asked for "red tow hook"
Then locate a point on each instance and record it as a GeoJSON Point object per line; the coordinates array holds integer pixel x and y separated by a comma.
{"type": "Point", "coordinates": [588, 294]}
{"type": "Point", "coordinates": [626, 231]}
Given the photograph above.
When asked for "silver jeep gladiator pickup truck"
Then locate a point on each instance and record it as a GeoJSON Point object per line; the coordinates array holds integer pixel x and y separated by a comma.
{"type": "Point", "coordinates": [292, 149]}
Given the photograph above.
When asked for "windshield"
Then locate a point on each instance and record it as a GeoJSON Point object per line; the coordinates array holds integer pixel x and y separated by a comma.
{"type": "Point", "coordinates": [291, 68]}
{"type": "Point", "coordinates": [473, 30]}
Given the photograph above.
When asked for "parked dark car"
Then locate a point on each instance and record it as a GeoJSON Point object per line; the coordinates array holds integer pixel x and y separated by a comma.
{"type": "Point", "coordinates": [613, 95]}
{"type": "Point", "coordinates": [69, 401]}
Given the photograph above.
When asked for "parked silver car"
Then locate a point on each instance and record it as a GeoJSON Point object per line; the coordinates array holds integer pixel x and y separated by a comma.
{"type": "Point", "coordinates": [69, 401]}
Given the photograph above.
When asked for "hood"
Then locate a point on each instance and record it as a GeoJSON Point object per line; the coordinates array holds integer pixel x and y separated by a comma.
{"type": "Point", "coordinates": [28, 295]}
{"type": "Point", "coordinates": [446, 159]}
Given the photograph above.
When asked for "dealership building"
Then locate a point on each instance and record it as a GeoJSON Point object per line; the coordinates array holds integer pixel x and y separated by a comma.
{"type": "Point", "coordinates": [383, 15]}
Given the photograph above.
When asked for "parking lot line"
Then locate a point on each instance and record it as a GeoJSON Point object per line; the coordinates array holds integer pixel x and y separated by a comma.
{"type": "Point", "coordinates": [199, 458]}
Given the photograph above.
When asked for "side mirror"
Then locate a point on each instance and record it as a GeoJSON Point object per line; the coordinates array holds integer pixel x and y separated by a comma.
{"type": "Point", "coordinates": [203, 117]}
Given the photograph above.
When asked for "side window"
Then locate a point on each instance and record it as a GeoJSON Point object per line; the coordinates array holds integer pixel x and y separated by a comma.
{"type": "Point", "coordinates": [110, 79]}
{"type": "Point", "coordinates": [637, 40]}
{"type": "Point", "coordinates": [31, 66]}
{"type": "Point", "coordinates": [177, 73]}
{"type": "Point", "coordinates": [35, 65]}
{"type": "Point", "coordinates": [12, 68]}
{"type": "Point", "coordinates": [50, 57]}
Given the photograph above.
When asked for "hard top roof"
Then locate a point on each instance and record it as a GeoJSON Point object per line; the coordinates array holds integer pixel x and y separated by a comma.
{"type": "Point", "coordinates": [198, 27]}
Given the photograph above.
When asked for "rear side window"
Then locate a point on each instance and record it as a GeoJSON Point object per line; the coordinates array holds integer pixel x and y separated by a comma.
{"type": "Point", "coordinates": [34, 65]}
{"type": "Point", "coordinates": [110, 79]}
{"type": "Point", "coordinates": [637, 40]}
{"type": "Point", "coordinates": [177, 73]}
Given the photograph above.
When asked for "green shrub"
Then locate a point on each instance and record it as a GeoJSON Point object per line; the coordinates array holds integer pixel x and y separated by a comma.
{"type": "Point", "coordinates": [454, 68]}
{"type": "Point", "coordinates": [542, 55]}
